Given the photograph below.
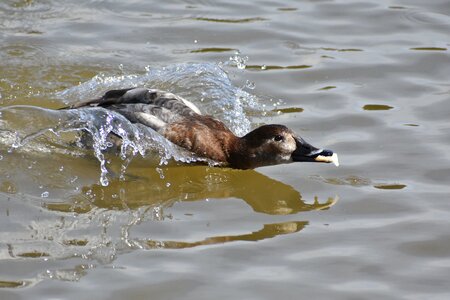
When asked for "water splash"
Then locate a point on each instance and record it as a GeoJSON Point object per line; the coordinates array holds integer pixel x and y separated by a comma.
{"type": "Point", "coordinates": [239, 61]}
{"type": "Point", "coordinates": [95, 237]}
{"type": "Point", "coordinates": [93, 128]}
{"type": "Point", "coordinates": [206, 85]}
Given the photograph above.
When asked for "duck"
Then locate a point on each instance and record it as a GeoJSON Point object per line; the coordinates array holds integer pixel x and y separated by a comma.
{"type": "Point", "coordinates": [182, 123]}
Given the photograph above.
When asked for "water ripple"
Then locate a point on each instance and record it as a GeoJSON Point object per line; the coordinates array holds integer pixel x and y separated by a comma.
{"type": "Point", "coordinates": [428, 17]}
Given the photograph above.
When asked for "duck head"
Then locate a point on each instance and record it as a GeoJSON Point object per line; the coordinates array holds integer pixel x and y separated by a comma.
{"type": "Point", "coordinates": [277, 144]}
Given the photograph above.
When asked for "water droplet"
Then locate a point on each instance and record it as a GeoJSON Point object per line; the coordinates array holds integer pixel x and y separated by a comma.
{"type": "Point", "coordinates": [104, 180]}
{"type": "Point", "coordinates": [160, 172]}
{"type": "Point", "coordinates": [239, 61]}
{"type": "Point", "coordinates": [250, 85]}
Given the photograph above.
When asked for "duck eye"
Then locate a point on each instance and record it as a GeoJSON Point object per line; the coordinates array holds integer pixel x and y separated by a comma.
{"type": "Point", "coordinates": [278, 138]}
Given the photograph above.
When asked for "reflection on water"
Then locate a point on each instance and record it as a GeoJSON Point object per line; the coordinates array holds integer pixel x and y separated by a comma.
{"type": "Point", "coordinates": [288, 110]}
{"type": "Point", "coordinates": [429, 49]}
{"type": "Point", "coordinates": [268, 231]}
{"type": "Point", "coordinates": [390, 186]}
{"type": "Point", "coordinates": [97, 223]}
{"type": "Point", "coordinates": [244, 20]}
{"type": "Point", "coordinates": [358, 181]}
{"type": "Point", "coordinates": [165, 186]}
{"type": "Point", "coordinates": [212, 49]}
{"type": "Point", "coordinates": [343, 50]}
{"type": "Point", "coordinates": [273, 67]}
{"type": "Point", "coordinates": [12, 284]}
{"type": "Point", "coordinates": [377, 107]}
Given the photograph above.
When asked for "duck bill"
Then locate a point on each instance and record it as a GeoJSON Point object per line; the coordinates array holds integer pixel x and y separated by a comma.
{"type": "Point", "coordinates": [307, 152]}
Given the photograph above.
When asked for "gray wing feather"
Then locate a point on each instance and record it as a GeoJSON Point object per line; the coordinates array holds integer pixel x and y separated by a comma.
{"type": "Point", "coordinates": [154, 97]}
{"type": "Point", "coordinates": [155, 117]}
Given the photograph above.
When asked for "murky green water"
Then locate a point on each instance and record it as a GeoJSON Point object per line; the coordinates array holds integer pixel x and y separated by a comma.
{"type": "Point", "coordinates": [368, 79]}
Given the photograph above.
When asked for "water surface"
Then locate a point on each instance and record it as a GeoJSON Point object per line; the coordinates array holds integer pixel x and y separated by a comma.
{"type": "Point", "coordinates": [368, 79]}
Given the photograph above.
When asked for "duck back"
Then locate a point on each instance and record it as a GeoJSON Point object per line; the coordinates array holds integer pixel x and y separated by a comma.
{"type": "Point", "coordinates": [150, 107]}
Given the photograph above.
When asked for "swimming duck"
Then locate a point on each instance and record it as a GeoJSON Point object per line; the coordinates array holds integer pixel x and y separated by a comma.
{"type": "Point", "coordinates": [182, 123]}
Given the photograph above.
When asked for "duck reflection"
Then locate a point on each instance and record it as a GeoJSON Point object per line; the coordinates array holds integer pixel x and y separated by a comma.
{"type": "Point", "coordinates": [163, 187]}
{"type": "Point", "coordinates": [149, 191]}
{"type": "Point", "coordinates": [267, 232]}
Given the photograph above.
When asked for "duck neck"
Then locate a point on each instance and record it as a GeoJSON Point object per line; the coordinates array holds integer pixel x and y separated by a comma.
{"type": "Point", "coordinates": [241, 155]}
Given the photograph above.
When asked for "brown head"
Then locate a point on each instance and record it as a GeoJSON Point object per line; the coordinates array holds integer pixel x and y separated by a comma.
{"type": "Point", "coordinates": [276, 144]}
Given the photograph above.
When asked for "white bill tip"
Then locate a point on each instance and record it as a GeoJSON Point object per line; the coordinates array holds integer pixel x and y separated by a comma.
{"type": "Point", "coordinates": [329, 159]}
{"type": "Point", "coordinates": [335, 160]}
